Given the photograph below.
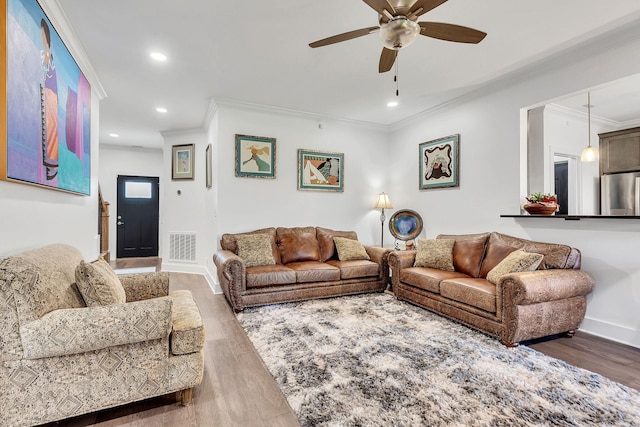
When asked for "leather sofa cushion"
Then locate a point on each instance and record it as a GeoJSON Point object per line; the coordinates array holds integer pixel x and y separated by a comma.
{"type": "Point", "coordinates": [496, 252]}
{"type": "Point", "coordinates": [298, 244]}
{"type": "Point", "coordinates": [479, 293]}
{"type": "Point", "coordinates": [270, 275]}
{"type": "Point", "coordinates": [228, 242]}
{"type": "Point", "coordinates": [555, 255]}
{"type": "Point", "coordinates": [325, 240]}
{"type": "Point", "coordinates": [356, 268]}
{"type": "Point", "coordinates": [427, 278]}
{"type": "Point", "coordinates": [314, 271]}
{"type": "Point", "coordinates": [468, 252]}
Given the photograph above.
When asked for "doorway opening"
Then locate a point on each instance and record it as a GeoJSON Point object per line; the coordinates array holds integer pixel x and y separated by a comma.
{"type": "Point", "coordinates": [138, 215]}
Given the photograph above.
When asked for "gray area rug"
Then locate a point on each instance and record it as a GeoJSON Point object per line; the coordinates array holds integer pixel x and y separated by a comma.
{"type": "Point", "coordinates": [371, 360]}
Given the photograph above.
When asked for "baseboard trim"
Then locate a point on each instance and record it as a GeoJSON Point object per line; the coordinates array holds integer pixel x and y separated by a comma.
{"type": "Point", "coordinates": [194, 269]}
{"type": "Point", "coordinates": [610, 331]}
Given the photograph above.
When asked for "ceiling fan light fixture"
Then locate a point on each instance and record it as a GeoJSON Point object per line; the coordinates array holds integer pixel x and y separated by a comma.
{"type": "Point", "coordinates": [399, 32]}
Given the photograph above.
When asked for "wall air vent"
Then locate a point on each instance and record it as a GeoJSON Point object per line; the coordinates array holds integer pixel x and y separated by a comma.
{"type": "Point", "coordinates": [182, 247]}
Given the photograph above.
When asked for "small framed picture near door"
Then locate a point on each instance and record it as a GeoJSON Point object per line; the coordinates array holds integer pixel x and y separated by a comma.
{"type": "Point", "coordinates": [255, 156]}
{"type": "Point", "coordinates": [182, 161]}
{"type": "Point", "coordinates": [439, 161]}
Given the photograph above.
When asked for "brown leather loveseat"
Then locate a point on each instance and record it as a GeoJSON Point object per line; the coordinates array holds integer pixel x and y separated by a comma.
{"type": "Point", "coordinates": [296, 263]}
{"type": "Point", "coordinates": [518, 306]}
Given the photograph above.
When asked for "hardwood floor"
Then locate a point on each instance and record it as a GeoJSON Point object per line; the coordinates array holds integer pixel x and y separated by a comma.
{"type": "Point", "coordinates": [237, 389]}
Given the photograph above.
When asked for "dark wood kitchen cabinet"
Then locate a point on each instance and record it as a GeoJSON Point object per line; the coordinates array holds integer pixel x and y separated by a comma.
{"type": "Point", "coordinates": [620, 151]}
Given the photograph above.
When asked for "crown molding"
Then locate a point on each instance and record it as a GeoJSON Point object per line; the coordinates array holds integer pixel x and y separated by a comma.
{"type": "Point", "coordinates": [60, 21]}
{"type": "Point", "coordinates": [230, 103]}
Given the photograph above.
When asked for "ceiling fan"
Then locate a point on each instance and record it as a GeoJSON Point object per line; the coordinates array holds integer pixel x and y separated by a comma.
{"type": "Point", "coordinates": [398, 28]}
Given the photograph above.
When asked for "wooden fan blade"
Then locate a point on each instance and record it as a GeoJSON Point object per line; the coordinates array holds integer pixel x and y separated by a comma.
{"type": "Point", "coordinates": [421, 7]}
{"type": "Point", "coordinates": [451, 33]}
{"type": "Point", "coordinates": [387, 59]}
{"type": "Point", "coordinates": [344, 36]}
{"type": "Point", "coordinates": [380, 6]}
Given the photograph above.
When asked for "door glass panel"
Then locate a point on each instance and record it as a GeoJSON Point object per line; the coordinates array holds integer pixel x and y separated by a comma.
{"type": "Point", "coordinates": [137, 190]}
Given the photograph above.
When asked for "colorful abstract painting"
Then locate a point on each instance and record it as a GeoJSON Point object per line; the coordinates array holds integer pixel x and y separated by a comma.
{"type": "Point", "coordinates": [320, 171]}
{"type": "Point", "coordinates": [48, 99]}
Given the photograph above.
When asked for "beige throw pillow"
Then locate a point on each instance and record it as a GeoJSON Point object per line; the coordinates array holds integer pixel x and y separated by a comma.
{"type": "Point", "coordinates": [513, 263]}
{"type": "Point", "coordinates": [99, 284]}
{"type": "Point", "coordinates": [349, 249]}
{"type": "Point", "coordinates": [436, 253]}
{"type": "Point", "coordinates": [255, 249]}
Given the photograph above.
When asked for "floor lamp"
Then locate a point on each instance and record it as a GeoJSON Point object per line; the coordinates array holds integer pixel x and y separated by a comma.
{"type": "Point", "coordinates": [383, 203]}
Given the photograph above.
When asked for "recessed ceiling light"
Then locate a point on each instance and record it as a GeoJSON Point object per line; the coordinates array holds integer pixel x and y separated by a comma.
{"type": "Point", "coordinates": [159, 56]}
{"type": "Point", "coordinates": [392, 104]}
{"type": "Point", "coordinates": [114, 135]}
{"type": "Point", "coordinates": [161, 110]}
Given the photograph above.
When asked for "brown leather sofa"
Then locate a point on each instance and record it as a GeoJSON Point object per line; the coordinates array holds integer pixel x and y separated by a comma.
{"type": "Point", "coordinates": [306, 266]}
{"type": "Point", "coordinates": [522, 306]}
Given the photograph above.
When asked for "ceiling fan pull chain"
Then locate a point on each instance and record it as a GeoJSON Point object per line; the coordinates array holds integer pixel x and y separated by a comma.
{"type": "Point", "coordinates": [395, 78]}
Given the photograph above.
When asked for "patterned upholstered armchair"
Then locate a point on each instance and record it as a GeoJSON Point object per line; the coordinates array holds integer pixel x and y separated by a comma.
{"type": "Point", "coordinates": [66, 352]}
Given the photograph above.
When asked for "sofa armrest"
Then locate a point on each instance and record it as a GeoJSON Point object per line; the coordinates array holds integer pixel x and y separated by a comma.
{"type": "Point", "coordinates": [532, 287]}
{"type": "Point", "coordinates": [141, 286]}
{"type": "Point", "coordinates": [380, 256]}
{"type": "Point", "coordinates": [232, 274]}
{"type": "Point", "coordinates": [401, 259]}
{"type": "Point", "coordinates": [78, 330]}
{"type": "Point", "coordinates": [397, 261]}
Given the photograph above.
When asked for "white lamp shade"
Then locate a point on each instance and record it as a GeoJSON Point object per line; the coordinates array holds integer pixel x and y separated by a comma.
{"type": "Point", "coordinates": [383, 202]}
{"type": "Point", "coordinates": [589, 154]}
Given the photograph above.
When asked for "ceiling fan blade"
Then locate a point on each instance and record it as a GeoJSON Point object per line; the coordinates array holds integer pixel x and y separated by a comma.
{"type": "Point", "coordinates": [381, 6]}
{"type": "Point", "coordinates": [451, 32]}
{"type": "Point", "coordinates": [344, 36]}
{"type": "Point", "coordinates": [387, 59]}
{"type": "Point", "coordinates": [421, 7]}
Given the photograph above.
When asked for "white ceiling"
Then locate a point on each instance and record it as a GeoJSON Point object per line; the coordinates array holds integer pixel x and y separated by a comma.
{"type": "Point", "coordinates": [256, 51]}
{"type": "Point", "coordinates": [616, 102]}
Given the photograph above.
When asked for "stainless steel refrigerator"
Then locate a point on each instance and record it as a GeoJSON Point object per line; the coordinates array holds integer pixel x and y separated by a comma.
{"type": "Point", "coordinates": [620, 194]}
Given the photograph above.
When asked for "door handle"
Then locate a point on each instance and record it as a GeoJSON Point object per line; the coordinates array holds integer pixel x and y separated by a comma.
{"type": "Point", "coordinates": [120, 223]}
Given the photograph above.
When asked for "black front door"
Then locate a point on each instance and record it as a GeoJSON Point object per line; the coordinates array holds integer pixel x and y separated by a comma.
{"type": "Point", "coordinates": [137, 219]}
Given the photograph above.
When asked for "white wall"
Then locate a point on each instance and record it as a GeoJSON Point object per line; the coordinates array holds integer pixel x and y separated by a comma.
{"type": "Point", "coordinates": [122, 160]}
{"type": "Point", "coordinates": [246, 204]}
{"type": "Point", "coordinates": [488, 123]}
{"type": "Point", "coordinates": [191, 211]}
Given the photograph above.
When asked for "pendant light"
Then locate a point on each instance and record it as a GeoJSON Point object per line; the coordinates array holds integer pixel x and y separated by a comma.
{"type": "Point", "coordinates": [589, 154]}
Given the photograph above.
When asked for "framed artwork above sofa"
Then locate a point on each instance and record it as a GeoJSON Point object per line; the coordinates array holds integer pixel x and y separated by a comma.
{"type": "Point", "coordinates": [439, 163]}
{"type": "Point", "coordinates": [320, 171]}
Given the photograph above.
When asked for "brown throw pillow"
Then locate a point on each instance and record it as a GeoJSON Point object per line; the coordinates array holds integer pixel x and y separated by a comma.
{"type": "Point", "coordinates": [349, 249]}
{"type": "Point", "coordinates": [99, 284]}
{"type": "Point", "coordinates": [435, 254]}
{"type": "Point", "coordinates": [255, 249]}
{"type": "Point", "coordinates": [514, 262]}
